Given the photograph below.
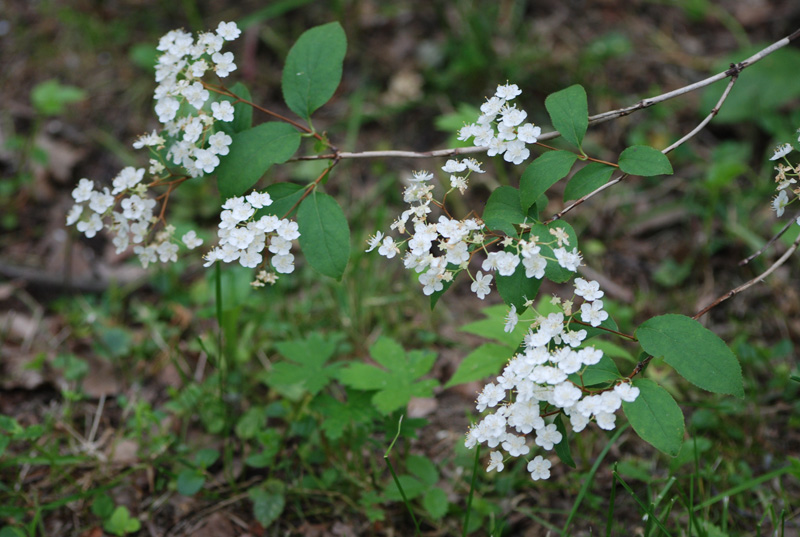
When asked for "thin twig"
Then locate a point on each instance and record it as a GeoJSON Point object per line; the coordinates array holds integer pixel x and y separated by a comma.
{"type": "Point", "coordinates": [775, 237]}
{"type": "Point", "coordinates": [684, 139]}
{"type": "Point", "coordinates": [732, 71]}
{"type": "Point", "coordinates": [752, 282]}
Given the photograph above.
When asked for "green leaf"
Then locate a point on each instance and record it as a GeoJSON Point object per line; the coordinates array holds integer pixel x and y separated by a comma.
{"type": "Point", "coordinates": [493, 327]}
{"type": "Point", "coordinates": [553, 271]}
{"type": "Point", "coordinates": [695, 352]}
{"type": "Point", "coordinates": [603, 372]}
{"type": "Point", "coordinates": [503, 210]}
{"type": "Point", "coordinates": [251, 422]}
{"type": "Point", "coordinates": [242, 113]}
{"type": "Point", "coordinates": [396, 384]}
{"type": "Point", "coordinates": [543, 173]}
{"type": "Point", "coordinates": [423, 468]}
{"type": "Point", "coordinates": [252, 152]}
{"type": "Point", "coordinates": [324, 234]}
{"type": "Point", "coordinates": [436, 295]}
{"type": "Point", "coordinates": [587, 179]}
{"type": "Point", "coordinates": [121, 522]}
{"type": "Point", "coordinates": [206, 457]}
{"type": "Point", "coordinates": [435, 503]}
{"type": "Point", "coordinates": [644, 161]}
{"type": "Point", "coordinates": [569, 112]}
{"type": "Point", "coordinates": [517, 288]}
{"type": "Point", "coordinates": [562, 448]}
{"type": "Point", "coordinates": [656, 417]}
{"type": "Point", "coordinates": [103, 506]}
{"type": "Point", "coordinates": [51, 98]}
{"type": "Point", "coordinates": [190, 481]}
{"type": "Point", "coordinates": [306, 365]}
{"type": "Point", "coordinates": [284, 197]}
{"type": "Point", "coordinates": [412, 488]}
{"type": "Point", "coordinates": [485, 361]}
{"type": "Point", "coordinates": [314, 68]}
{"type": "Point", "coordinates": [268, 503]}
{"type": "Point", "coordinates": [338, 415]}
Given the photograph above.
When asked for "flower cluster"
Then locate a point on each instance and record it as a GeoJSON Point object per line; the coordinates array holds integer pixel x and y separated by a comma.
{"type": "Point", "coordinates": [458, 240]}
{"type": "Point", "coordinates": [243, 238]}
{"type": "Point", "coordinates": [132, 224]}
{"type": "Point", "coordinates": [545, 380]}
{"type": "Point", "coordinates": [785, 177]}
{"type": "Point", "coordinates": [500, 127]}
{"type": "Point", "coordinates": [182, 105]}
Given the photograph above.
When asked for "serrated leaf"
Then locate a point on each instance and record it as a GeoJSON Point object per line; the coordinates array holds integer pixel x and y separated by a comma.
{"type": "Point", "coordinates": [517, 289]}
{"type": "Point", "coordinates": [485, 361]}
{"type": "Point", "coordinates": [251, 423]}
{"type": "Point", "coordinates": [307, 364]}
{"type": "Point", "coordinates": [587, 179]}
{"type": "Point", "coordinates": [562, 448]}
{"type": "Point", "coordinates": [324, 234]}
{"type": "Point", "coordinates": [435, 503]}
{"type": "Point", "coordinates": [313, 68]}
{"type": "Point", "coordinates": [543, 173]}
{"type": "Point", "coordinates": [644, 161]}
{"type": "Point", "coordinates": [695, 352]}
{"type": "Point", "coordinates": [396, 384]}
{"type": "Point", "coordinates": [242, 113]}
{"type": "Point", "coordinates": [267, 505]}
{"type": "Point", "coordinates": [569, 113]}
{"type": "Point", "coordinates": [503, 210]}
{"type": "Point", "coordinates": [252, 152]}
{"type": "Point", "coordinates": [656, 417]}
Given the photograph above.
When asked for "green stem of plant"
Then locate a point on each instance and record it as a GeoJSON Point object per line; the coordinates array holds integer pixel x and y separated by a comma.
{"type": "Point", "coordinates": [471, 489]}
{"type": "Point", "coordinates": [396, 480]}
{"type": "Point", "coordinates": [650, 514]}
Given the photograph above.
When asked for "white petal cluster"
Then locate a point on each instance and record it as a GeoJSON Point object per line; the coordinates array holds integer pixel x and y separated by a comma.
{"type": "Point", "coordinates": [501, 127]}
{"type": "Point", "coordinates": [244, 238]}
{"type": "Point", "coordinates": [127, 210]}
{"type": "Point", "coordinates": [536, 384]}
{"type": "Point", "coordinates": [437, 251]}
{"type": "Point", "coordinates": [785, 177]}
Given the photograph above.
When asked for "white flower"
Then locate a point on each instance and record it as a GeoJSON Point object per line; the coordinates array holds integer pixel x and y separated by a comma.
{"type": "Point", "coordinates": [548, 436]}
{"type": "Point", "coordinates": [539, 468]}
{"type": "Point", "coordinates": [228, 31]}
{"type": "Point", "coordinates": [593, 313]}
{"type": "Point", "coordinates": [534, 266]}
{"type": "Point", "coordinates": [374, 241]}
{"type": "Point", "coordinates": [191, 240]}
{"type": "Point", "coordinates": [166, 110]}
{"type": "Point", "coordinates": [491, 395]}
{"type": "Point", "coordinates": [75, 213]}
{"type": "Point", "coordinates": [481, 284]}
{"type": "Point", "coordinates": [569, 260]}
{"type": "Point", "coordinates": [90, 227]}
{"type": "Point", "coordinates": [511, 319]}
{"type": "Point", "coordinates": [513, 116]}
{"type": "Point", "coordinates": [781, 151]}
{"type": "Point", "coordinates": [506, 263]}
{"type": "Point", "coordinates": [529, 133]}
{"type": "Point", "coordinates": [224, 63]}
{"type": "Point", "coordinates": [126, 179]}
{"type": "Point", "coordinates": [495, 461]}
{"type": "Point", "coordinates": [257, 200]}
{"type": "Point", "coordinates": [454, 166]}
{"type": "Point", "coordinates": [780, 202]}
{"type": "Point", "coordinates": [101, 201]}
{"type": "Point", "coordinates": [288, 230]}
{"type": "Point", "coordinates": [283, 263]}
{"type": "Point", "coordinates": [606, 420]}
{"type": "Point", "coordinates": [588, 290]}
{"type": "Point", "coordinates": [508, 92]}
{"type": "Point", "coordinates": [431, 282]}
{"type": "Point", "coordinates": [515, 445]}
{"type": "Point", "coordinates": [83, 192]}
{"type": "Point", "coordinates": [206, 160]}
{"type": "Point", "coordinates": [388, 248]}
{"type": "Point", "coordinates": [167, 252]}
{"type": "Point", "coordinates": [218, 143]}
{"type": "Point", "coordinates": [222, 110]}
{"type": "Point", "coordinates": [626, 392]}
{"type": "Point", "coordinates": [566, 394]}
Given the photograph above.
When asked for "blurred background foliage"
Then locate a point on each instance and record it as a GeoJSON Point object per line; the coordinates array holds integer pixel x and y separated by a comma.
{"type": "Point", "coordinates": [79, 324]}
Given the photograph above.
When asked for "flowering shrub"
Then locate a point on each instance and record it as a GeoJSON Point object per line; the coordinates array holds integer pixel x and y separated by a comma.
{"type": "Point", "coordinates": [556, 370]}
